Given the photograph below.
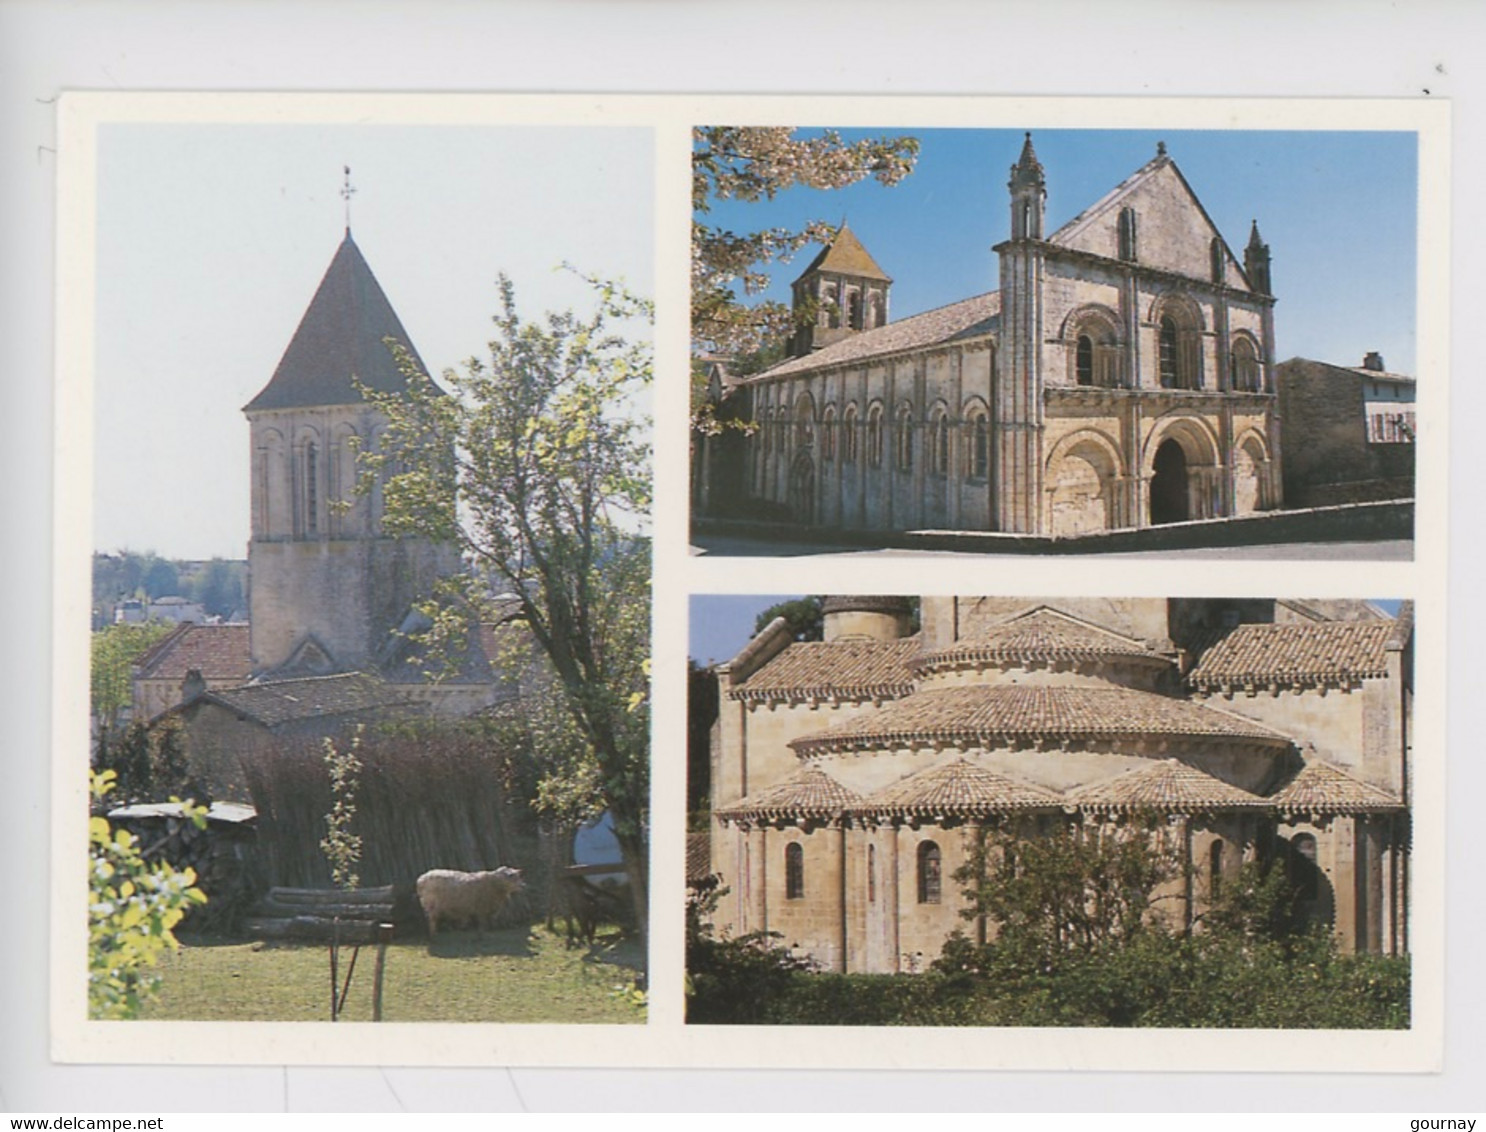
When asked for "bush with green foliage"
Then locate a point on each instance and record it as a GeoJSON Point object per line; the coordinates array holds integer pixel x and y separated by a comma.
{"type": "Point", "coordinates": [133, 908]}
{"type": "Point", "coordinates": [732, 980]}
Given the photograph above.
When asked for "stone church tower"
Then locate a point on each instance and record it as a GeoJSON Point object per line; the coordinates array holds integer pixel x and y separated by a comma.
{"type": "Point", "coordinates": [847, 290]}
{"type": "Point", "coordinates": [328, 587]}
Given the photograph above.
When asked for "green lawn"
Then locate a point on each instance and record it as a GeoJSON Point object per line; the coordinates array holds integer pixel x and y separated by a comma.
{"type": "Point", "coordinates": [508, 976]}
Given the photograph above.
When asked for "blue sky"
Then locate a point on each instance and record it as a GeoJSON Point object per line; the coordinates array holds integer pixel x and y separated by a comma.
{"type": "Point", "coordinates": [721, 624]}
{"type": "Point", "coordinates": [1338, 210]}
{"type": "Point", "coordinates": [212, 238]}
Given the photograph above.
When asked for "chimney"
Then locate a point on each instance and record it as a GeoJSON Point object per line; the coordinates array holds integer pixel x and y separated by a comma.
{"type": "Point", "coordinates": [192, 686]}
{"type": "Point", "coordinates": [1373, 361]}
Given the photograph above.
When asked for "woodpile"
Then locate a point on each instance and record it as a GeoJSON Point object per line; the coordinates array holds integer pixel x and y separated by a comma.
{"type": "Point", "coordinates": [221, 854]}
{"type": "Point", "coordinates": [321, 915]}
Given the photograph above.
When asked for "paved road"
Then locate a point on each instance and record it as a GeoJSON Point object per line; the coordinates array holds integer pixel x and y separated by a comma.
{"type": "Point", "coordinates": [1395, 551]}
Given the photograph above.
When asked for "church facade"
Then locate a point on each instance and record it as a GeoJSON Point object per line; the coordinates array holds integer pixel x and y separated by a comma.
{"type": "Point", "coordinates": [1121, 376]}
{"type": "Point", "coordinates": [852, 777]}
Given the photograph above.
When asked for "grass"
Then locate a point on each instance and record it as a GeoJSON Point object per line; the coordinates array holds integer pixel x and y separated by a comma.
{"type": "Point", "coordinates": [513, 975]}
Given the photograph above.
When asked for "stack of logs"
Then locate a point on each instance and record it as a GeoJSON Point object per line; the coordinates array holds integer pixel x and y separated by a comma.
{"type": "Point", "coordinates": [220, 854]}
{"type": "Point", "coordinates": [321, 914]}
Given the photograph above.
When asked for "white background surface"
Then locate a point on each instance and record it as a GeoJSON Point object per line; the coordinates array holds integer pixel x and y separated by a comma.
{"type": "Point", "coordinates": [758, 46]}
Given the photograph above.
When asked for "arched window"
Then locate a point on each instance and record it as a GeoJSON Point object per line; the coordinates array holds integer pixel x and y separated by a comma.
{"type": "Point", "coordinates": [1167, 353]}
{"type": "Point", "coordinates": [849, 434]}
{"type": "Point", "coordinates": [941, 443]}
{"type": "Point", "coordinates": [871, 874]}
{"type": "Point", "coordinates": [874, 311]}
{"type": "Point", "coordinates": [874, 435]}
{"type": "Point", "coordinates": [1084, 364]}
{"type": "Point", "coordinates": [794, 871]}
{"type": "Point", "coordinates": [903, 437]}
{"type": "Point", "coordinates": [833, 308]}
{"type": "Point", "coordinates": [828, 433]}
{"type": "Point", "coordinates": [1245, 366]}
{"type": "Point", "coordinates": [929, 872]}
{"type": "Point", "coordinates": [311, 488]}
{"type": "Point", "coordinates": [854, 308]}
{"type": "Point", "coordinates": [1215, 869]}
{"type": "Point", "coordinates": [978, 450]}
{"type": "Point", "coordinates": [1127, 235]}
{"type": "Point", "coordinates": [1305, 872]}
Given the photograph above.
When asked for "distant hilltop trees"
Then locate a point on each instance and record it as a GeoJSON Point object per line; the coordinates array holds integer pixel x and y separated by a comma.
{"type": "Point", "coordinates": [128, 585]}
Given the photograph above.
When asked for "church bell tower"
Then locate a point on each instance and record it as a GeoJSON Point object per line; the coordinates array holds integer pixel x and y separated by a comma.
{"type": "Point", "coordinates": [327, 586]}
{"type": "Point", "coordinates": [841, 293]}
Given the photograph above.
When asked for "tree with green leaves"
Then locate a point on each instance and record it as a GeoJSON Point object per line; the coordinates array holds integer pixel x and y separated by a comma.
{"type": "Point", "coordinates": [114, 651]}
{"type": "Point", "coordinates": [536, 466]}
{"type": "Point", "coordinates": [805, 617]}
{"type": "Point", "coordinates": [757, 163]}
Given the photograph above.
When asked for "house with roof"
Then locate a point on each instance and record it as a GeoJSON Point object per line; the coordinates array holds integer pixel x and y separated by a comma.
{"type": "Point", "coordinates": [1122, 375]}
{"type": "Point", "coordinates": [1351, 430]}
{"type": "Point", "coordinates": [217, 655]}
{"type": "Point", "coordinates": [851, 777]}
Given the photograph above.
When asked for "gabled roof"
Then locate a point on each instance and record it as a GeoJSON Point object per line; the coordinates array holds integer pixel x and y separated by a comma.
{"type": "Point", "coordinates": [968, 318]}
{"type": "Point", "coordinates": [1012, 715]}
{"type": "Point", "coordinates": [1321, 788]}
{"type": "Point", "coordinates": [810, 794]}
{"type": "Point", "coordinates": [218, 652]}
{"type": "Point", "coordinates": [1040, 634]}
{"type": "Point", "coordinates": [1168, 785]}
{"type": "Point", "coordinates": [339, 342]}
{"type": "Point", "coordinates": [959, 788]}
{"type": "Point", "coordinates": [278, 702]}
{"type": "Point", "coordinates": [1092, 230]}
{"type": "Point", "coordinates": [846, 255]}
{"type": "Point", "coordinates": [1295, 652]}
{"type": "Point", "coordinates": [840, 670]}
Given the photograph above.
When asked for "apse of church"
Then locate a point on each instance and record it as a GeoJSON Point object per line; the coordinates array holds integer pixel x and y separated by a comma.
{"type": "Point", "coordinates": [852, 777]}
{"type": "Point", "coordinates": [1121, 376]}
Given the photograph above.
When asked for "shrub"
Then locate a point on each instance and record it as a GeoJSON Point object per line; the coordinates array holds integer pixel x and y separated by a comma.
{"type": "Point", "coordinates": [133, 908]}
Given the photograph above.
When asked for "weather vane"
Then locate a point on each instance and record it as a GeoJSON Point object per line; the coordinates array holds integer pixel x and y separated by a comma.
{"type": "Point", "coordinates": [347, 192]}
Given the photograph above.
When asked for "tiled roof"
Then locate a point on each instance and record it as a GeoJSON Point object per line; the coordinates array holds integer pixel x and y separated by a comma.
{"type": "Point", "coordinates": [698, 856]}
{"type": "Point", "coordinates": [218, 652]}
{"type": "Point", "coordinates": [846, 255]}
{"type": "Point", "coordinates": [1323, 651]}
{"type": "Point", "coordinates": [969, 318]}
{"type": "Point", "coordinates": [1041, 634]}
{"type": "Point", "coordinates": [339, 341]}
{"type": "Point", "coordinates": [841, 670]}
{"type": "Point", "coordinates": [810, 794]}
{"type": "Point", "coordinates": [990, 716]}
{"type": "Point", "coordinates": [278, 702]}
{"type": "Point", "coordinates": [1166, 785]}
{"type": "Point", "coordinates": [1320, 788]}
{"type": "Point", "coordinates": [958, 788]}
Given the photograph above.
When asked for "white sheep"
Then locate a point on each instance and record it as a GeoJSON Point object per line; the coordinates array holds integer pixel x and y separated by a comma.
{"type": "Point", "coordinates": [454, 897]}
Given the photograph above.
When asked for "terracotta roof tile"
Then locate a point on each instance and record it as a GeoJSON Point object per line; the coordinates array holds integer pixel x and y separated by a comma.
{"type": "Point", "coordinates": [1321, 788]}
{"type": "Point", "coordinates": [218, 652]}
{"type": "Point", "coordinates": [1168, 785]}
{"type": "Point", "coordinates": [1041, 634]}
{"type": "Point", "coordinates": [959, 788]}
{"type": "Point", "coordinates": [841, 670]}
{"type": "Point", "coordinates": [968, 318]}
{"type": "Point", "coordinates": [990, 716]}
{"type": "Point", "coordinates": [1323, 651]}
{"type": "Point", "coordinates": [810, 794]}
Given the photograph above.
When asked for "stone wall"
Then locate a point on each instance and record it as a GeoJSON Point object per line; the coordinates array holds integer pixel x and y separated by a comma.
{"type": "Point", "coordinates": [1327, 455]}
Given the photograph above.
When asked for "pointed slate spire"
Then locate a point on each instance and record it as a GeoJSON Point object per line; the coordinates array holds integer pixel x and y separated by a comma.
{"type": "Point", "coordinates": [339, 342]}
